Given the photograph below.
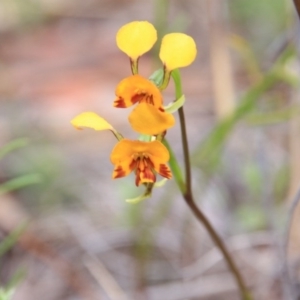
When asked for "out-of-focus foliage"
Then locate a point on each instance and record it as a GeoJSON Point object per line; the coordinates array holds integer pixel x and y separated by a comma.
{"type": "Point", "coordinates": [261, 22]}
{"type": "Point", "coordinates": [58, 57]}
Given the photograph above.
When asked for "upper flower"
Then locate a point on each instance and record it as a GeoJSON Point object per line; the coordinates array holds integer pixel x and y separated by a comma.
{"type": "Point", "coordinates": [149, 116]}
{"type": "Point", "coordinates": [136, 38]}
{"type": "Point", "coordinates": [144, 158]}
{"type": "Point", "coordinates": [177, 50]}
{"type": "Point", "coordinates": [135, 89]}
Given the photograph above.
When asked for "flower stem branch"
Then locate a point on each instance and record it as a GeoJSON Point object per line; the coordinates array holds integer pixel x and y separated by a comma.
{"type": "Point", "coordinates": [188, 196]}
{"type": "Point", "coordinates": [297, 6]}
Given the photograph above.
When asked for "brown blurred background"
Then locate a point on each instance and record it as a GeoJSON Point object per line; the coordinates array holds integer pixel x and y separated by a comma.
{"type": "Point", "coordinates": [79, 239]}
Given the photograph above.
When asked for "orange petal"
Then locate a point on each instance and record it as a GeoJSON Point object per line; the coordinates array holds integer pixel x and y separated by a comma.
{"type": "Point", "coordinates": [122, 157]}
{"type": "Point", "coordinates": [135, 89]}
{"type": "Point", "coordinates": [125, 151]}
{"type": "Point", "coordinates": [147, 119]}
{"type": "Point", "coordinates": [159, 156]}
{"type": "Point", "coordinates": [177, 50]}
{"type": "Point", "coordinates": [136, 38]}
{"type": "Point", "coordinates": [123, 168]}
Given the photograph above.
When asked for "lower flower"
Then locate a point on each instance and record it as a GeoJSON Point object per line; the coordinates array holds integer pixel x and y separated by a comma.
{"type": "Point", "coordinates": [146, 159]}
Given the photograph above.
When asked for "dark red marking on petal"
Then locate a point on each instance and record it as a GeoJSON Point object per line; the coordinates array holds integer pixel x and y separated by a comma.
{"type": "Point", "coordinates": [148, 174]}
{"type": "Point", "coordinates": [137, 177]}
{"type": "Point", "coordinates": [119, 172]}
{"type": "Point", "coordinates": [149, 99]}
{"type": "Point", "coordinates": [133, 165]}
{"type": "Point", "coordinates": [119, 103]}
{"type": "Point", "coordinates": [165, 171]}
{"type": "Point", "coordinates": [144, 170]}
{"type": "Point", "coordinates": [137, 98]}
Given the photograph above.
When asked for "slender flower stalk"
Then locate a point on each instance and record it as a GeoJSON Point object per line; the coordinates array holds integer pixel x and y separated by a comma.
{"type": "Point", "coordinates": [188, 196]}
{"type": "Point", "coordinates": [297, 5]}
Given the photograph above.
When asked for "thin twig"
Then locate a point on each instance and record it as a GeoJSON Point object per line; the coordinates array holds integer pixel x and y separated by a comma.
{"type": "Point", "coordinates": [105, 279]}
{"type": "Point", "coordinates": [188, 196]}
{"type": "Point", "coordinates": [235, 244]}
{"type": "Point", "coordinates": [297, 5]}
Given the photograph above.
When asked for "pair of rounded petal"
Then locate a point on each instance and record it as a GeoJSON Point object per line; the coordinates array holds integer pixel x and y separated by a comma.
{"type": "Point", "coordinates": [136, 38]}
{"type": "Point", "coordinates": [148, 117]}
{"type": "Point", "coordinates": [144, 158]}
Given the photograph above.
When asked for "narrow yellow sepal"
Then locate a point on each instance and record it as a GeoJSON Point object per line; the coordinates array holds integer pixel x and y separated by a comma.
{"type": "Point", "coordinates": [136, 38]}
{"type": "Point", "coordinates": [91, 120]}
{"type": "Point", "coordinates": [177, 50]}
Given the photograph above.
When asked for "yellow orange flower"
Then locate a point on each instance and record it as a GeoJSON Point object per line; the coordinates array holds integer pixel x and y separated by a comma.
{"type": "Point", "coordinates": [136, 88]}
{"type": "Point", "coordinates": [144, 158]}
{"type": "Point", "coordinates": [147, 119]}
{"type": "Point", "coordinates": [136, 38]}
{"type": "Point", "coordinates": [177, 50]}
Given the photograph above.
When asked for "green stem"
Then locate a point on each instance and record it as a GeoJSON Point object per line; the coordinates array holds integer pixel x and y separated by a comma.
{"type": "Point", "coordinates": [185, 146]}
{"type": "Point", "coordinates": [134, 64]}
{"type": "Point", "coordinates": [188, 196]}
{"type": "Point", "coordinates": [175, 168]}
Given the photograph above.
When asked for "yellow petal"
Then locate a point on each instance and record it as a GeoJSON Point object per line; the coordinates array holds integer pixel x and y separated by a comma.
{"type": "Point", "coordinates": [90, 120]}
{"type": "Point", "coordinates": [147, 119]}
{"type": "Point", "coordinates": [135, 89]}
{"type": "Point", "coordinates": [177, 50]}
{"type": "Point", "coordinates": [136, 38]}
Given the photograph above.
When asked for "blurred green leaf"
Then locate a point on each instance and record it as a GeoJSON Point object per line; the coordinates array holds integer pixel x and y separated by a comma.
{"type": "Point", "coordinates": [13, 145]}
{"type": "Point", "coordinates": [19, 182]}
{"type": "Point", "coordinates": [281, 183]}
{"type": "Point", "coordinates": [11, 239]}
{"type": "Point", "coordinates": [261, 21]}
{"type": "Point", "coordinates": [251, 216]}
{"type": "Point", "coordinates": [273, 117]}
{"type": "Point", "coordinates": [253, 178]}
{"type": "Point", "coordinates": [242, 46]}
{"type": "Point", "coordinates": [208, 152]}
{"type": "Point", "coordinates": [6, 294]}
